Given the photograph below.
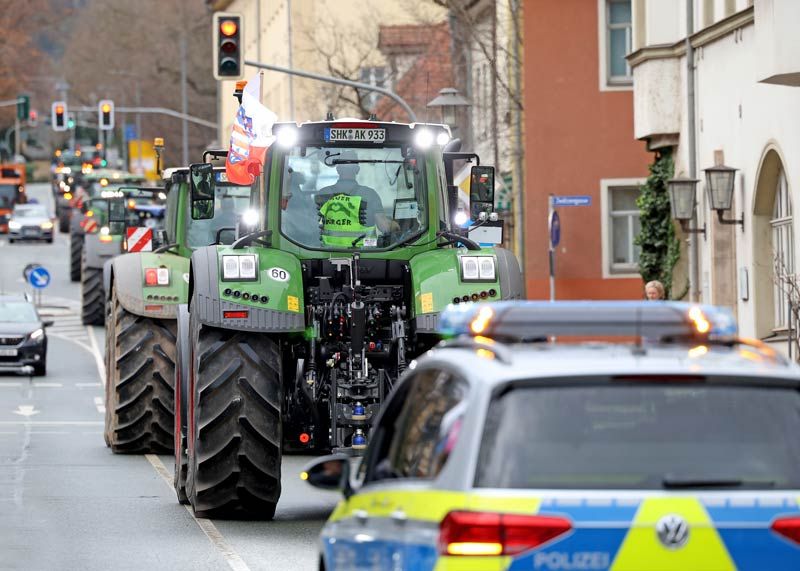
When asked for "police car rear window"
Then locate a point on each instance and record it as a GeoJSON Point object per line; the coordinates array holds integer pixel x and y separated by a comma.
{"type": "Point", "coordinates": [652, 436]}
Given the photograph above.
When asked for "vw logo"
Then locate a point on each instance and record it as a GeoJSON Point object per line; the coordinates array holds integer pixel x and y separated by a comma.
{"type": "Point", "coordinates": [672, 531]}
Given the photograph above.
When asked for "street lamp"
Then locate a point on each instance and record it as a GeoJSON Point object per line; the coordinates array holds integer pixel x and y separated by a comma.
{"type": "Point", "coordinates": [448, 101]}
{"type": "Point", "coordinates": [683, 203]}
{"type": "Point", "coordinates": [719, 185]}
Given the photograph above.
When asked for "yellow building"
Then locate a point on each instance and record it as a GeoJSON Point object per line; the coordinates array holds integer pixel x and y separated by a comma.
{"type": "Point", "coordinates": [330, 37]}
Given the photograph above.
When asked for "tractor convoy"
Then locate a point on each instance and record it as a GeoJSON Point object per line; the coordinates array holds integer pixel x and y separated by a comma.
{"type": "Point", "coordinates": [276, 317]}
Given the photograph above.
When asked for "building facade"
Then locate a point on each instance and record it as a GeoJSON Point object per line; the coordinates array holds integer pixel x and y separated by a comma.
{"type": "Point", "coordinates": [746, 70]}
{"type": "Point", "coordinates": [578, 140]}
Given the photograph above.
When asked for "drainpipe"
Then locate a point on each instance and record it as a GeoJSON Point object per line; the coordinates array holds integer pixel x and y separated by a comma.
{"type": "Point", "coordinates": [694, 257]}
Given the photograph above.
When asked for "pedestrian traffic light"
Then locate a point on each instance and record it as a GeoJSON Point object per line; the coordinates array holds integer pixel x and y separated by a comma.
{"type": "Point", "coordinates": [33, 118]}
{"type": "Point", "coordinates": [105, 114]}
{"type": "Point", "coordinates": [59, 116]}
{"type": "Point", "coordinates": [23, 106]}
{"type": "Point", "coordinates": [228, 59]}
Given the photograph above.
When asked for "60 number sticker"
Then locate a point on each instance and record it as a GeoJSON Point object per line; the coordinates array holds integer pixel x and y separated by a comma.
{"type": "Point", "coordinates": [278, 274]}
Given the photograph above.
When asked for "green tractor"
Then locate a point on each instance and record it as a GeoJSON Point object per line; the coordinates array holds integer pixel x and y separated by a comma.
{"type": "Point", "coordinates": [86, 186]}
{"type": "Point", "coordinates": [142, 208]}
{"type": "Point", "coordinates": [143, 291]}
{"type": "Point", "coordinates": [298, 330]}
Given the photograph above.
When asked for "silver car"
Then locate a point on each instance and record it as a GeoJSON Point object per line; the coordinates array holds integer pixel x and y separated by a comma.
{"type": "Point", "coordinates": [30, 222]}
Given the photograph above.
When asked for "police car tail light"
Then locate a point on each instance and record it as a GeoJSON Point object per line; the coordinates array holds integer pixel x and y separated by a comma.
{"type": "Point", "coordinates": [485, 533]}
{"type": "Point", "coordinates": [788, 527]}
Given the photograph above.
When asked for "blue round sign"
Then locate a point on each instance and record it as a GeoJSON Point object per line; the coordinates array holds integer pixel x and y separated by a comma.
{"type": "Point", "coordinates": [555, 229]}
{"type": "Point", "coordinates": [39, 277]}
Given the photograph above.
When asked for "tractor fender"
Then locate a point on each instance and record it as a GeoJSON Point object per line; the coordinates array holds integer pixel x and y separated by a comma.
{"type": "Point", "coordinates": [96, 252]}
{"type": "Point", "coordinates": [512, 286]}
{"type": "Point", "coordinates": [125, 274]}
{"type": "Point", "coordinates": [207, 305]}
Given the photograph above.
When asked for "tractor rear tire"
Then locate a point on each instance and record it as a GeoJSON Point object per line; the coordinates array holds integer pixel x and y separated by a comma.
{"type": "Point", "coordinates": [75, 253]}
{"type": "Point", "coordinates": [235, 432]}
{"type": "Point", "coordinates": [181, 384]}
{"type": "Point", "coordinates": [63, 221]}
{"type": "Point", "coordinates": [92, 296]}
{"type": "Point", "coordinates": [139, 391]}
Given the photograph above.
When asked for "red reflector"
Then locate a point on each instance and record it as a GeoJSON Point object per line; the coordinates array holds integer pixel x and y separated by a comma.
{"type": "Point", "coordinates": [153, 307]}
{"type": "Point", "coordinates": [788, 527]}
{"type": "Point", "coordinates": [479, 533]}
{"type": "Point", "coordinates": [235, 314]}
{"type": "Point", "coordinates": [151, 276]}
{"type": "Point", "coordinates": [304, 438]}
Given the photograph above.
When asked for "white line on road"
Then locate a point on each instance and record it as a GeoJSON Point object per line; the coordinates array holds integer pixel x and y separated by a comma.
{"type": "Point", "coordinates": [98, 403]}
{"type": "Point", "coordinates": [87, 385]}
{"type": "Point", "coordinates": [47, 385]}
{"type": "Point", "coordinates": [232, 558]}
{"type": "Point", "coordinates": [10, 385]}
{"type": "Point", "coordinates": [51, 422]}
{"type": "Point", "coordinates": [98, 358]}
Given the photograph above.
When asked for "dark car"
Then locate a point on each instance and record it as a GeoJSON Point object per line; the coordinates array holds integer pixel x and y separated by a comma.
{"type": "Point", "coordinates": [23, 341]}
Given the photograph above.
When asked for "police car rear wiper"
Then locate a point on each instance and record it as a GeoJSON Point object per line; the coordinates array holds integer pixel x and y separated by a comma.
{"type": "Point", "coordinates": [672, 483]}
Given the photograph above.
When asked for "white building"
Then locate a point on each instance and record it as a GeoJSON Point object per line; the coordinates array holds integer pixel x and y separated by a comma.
{"type": "Point", "coordinates": [747, 106]}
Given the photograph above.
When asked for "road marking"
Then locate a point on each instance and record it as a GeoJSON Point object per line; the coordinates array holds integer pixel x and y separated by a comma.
{"type": "Point", "coordinates": [232, 558]}
{"type": "Point", "coordinates": [98, 402]}
{"type": "Point", "coordinates": [26, 410]}
{"type": "Point", "coordinates": [51, 422]}
{"type": "Point", "coordinates": [10, 385]}
{"type": "Point", "coordinates": [87, 385]}
{"type": "Point", "coordinates": [49, 432]}
{"type": "Point", "coordinates": [48, 385]}
{"type": "Point", "coordinates": [98, 358]}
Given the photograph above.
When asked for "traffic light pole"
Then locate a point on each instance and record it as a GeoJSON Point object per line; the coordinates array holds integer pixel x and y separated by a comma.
{"type": "Point", "coordinates": [9, 103]}
{"type": "Point", "coordinates": [357, 84]}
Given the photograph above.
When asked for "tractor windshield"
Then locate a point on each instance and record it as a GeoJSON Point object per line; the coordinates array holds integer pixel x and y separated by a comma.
{"type": "Point", "coordinates": [353, 197]}
{"type": "Point", "coordinates": [230, 201]}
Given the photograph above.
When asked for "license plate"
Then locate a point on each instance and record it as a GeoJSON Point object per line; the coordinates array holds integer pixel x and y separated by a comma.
{"type": "Point", "coordinates": [8, 352]}
{"type": "Point", "coordinates": [335, 134]}
{"type": "Point", "coordinates": [29, 232]}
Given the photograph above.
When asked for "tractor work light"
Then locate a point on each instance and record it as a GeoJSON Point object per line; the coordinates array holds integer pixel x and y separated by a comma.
{"type": "Point", "coordinates": [423, 139]}
{"type": "Point", "coordinates": [240, 267]}
{"type": "Point", "coordinates": [287, 137]}
{"type": "Point", "coordinates": [477, 269]}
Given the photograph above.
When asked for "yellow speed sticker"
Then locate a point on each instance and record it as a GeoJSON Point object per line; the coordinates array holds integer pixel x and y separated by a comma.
{"type": "Point", "coordinates": [426, 300]}
{"type": "Point", "coordinates": [294, 303]}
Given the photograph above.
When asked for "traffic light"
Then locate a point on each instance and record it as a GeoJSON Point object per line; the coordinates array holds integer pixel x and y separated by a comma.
{"type": "Point", "coordinates": [33, 118]}
{"type": "Point", "coordinates": [105, 114]}
{"type": "Point", "coordinates": [59, 115]}
{"type": "Point", "coordinates": [23, 106]}
{"type": "Point", "coordinates": [228, 57]}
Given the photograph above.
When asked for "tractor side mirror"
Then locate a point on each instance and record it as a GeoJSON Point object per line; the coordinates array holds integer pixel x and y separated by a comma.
{"type": "Point", "coordinates": [202, 191]}
{"type": "Point", "coordinates": [481, 190]}
{"type": "Point", "coordinates": [329, 473]}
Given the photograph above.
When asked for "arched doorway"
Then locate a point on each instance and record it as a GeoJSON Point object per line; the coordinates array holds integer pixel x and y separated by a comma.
{"type": "Point", "coordinates": [773, 243]}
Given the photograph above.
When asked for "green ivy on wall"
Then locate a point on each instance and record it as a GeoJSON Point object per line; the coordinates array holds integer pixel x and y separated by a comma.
{"type": "Point", "coordinates": [660, 248]}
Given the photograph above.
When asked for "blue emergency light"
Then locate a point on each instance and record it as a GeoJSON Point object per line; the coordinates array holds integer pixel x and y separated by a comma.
{"type": "Point", "coordinates": [521, 321]}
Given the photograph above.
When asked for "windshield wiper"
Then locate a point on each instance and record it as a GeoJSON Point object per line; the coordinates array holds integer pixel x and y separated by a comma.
{"type": "Point", "coordinates": [672, 483]}
{"type": "Point", "coordinates": [166, 248]}
{"type": "Point", "coordinates": [356, 241]}
{"type": "Point", "coordinates": [253, 237]}
{"type": "Point", "coordinates": [452, 238]}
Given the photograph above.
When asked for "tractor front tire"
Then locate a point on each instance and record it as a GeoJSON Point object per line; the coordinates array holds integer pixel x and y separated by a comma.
{"type": "Point", "coordinates": [92, 296]}
{"type": "Point", "coordinates": [139, 393]}
{"type": "Point", "coordinates": [235, 438]}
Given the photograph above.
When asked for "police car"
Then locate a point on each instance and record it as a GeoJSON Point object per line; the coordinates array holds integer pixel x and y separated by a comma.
{"type": "Point", "coordinates": [530, 441]}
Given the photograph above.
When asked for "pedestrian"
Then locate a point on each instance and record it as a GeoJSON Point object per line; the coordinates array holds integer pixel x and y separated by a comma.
{"type": "Point", "coordinates": [654, 291]}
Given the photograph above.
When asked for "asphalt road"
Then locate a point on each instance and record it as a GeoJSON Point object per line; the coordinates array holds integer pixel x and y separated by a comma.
{"type": "Point", "coordinates": [67, 502]}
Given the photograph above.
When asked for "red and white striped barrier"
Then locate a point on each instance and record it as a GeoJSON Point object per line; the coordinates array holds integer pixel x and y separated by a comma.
{"type": "Point", "coordinates": [140, 239]}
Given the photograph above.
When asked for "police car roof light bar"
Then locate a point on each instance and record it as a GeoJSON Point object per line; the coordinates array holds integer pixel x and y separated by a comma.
{"type": "Point", "coordinates": [529, 321]}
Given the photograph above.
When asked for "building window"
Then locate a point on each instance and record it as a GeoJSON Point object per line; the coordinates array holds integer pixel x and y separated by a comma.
{"type": "Point", "coordinates": [619, 41]}
{"type": "Point", "coordinates": [624, 226]}
{"type": "Point", "coordinates": [373, 76]}
{"type": "Point", "coordinates": [783, 249]}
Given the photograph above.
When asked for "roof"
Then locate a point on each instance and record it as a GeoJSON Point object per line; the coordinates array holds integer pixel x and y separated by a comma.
{"type": "Point", "coordinates": [543, 360]}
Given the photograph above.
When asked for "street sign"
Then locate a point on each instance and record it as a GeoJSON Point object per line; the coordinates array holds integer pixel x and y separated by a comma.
{"type": "Point", "coordinates": [39, 277]}
{"type": "Point", "coordinates": [555, 229]}
{"type": "Point", "coordinates": [130, 131]}
{"type": "Point", "coordinates": [577, 200]}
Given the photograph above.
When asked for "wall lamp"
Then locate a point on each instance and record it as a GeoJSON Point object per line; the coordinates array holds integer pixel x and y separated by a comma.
{"type": "Point", "coordinates": [719, 185]}
{"type": "Point", "coordinates": [683, 202]}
